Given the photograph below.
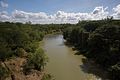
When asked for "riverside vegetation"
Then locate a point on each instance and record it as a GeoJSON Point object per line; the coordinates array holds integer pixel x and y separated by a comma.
{"type": "Point", "coordinates": [96, 40]}
{"type": "Point", "coordinates": [20, 42]}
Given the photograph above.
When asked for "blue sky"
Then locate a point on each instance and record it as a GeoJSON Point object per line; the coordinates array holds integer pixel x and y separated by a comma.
{"type": "Point", "coordinates": [59, 10]}
{"type": "Point", "coordinates": [52, 6]}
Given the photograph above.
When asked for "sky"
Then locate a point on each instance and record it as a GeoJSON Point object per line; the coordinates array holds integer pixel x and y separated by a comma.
{"type": "Point", "coordinates": [57, 11]}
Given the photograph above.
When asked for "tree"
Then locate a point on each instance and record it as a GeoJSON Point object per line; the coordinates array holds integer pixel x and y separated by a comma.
{"type": "Point", "coordinates": [36, 61]}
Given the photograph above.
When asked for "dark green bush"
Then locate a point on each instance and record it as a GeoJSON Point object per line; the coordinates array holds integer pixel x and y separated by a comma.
{"type": "Point", "coordinates": [36, 60]}
{"type": "Point", "coordinates": [20, 52]}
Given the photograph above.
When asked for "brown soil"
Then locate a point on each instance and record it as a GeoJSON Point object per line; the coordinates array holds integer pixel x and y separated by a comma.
{"type": "Point", "coordinates": [15, 67]}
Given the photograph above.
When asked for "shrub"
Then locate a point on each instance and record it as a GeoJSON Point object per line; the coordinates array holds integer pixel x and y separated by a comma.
{"type": "Point", "coordinates": [5, 52]}
{"type": "Point", "coordinates": [20, 52]}
{"type": "Point", "coordinates": [36, 61]}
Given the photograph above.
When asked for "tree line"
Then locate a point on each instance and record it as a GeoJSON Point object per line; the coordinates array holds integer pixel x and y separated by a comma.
{"type": "Point", "coordinates": [98, 41]}
{"type": "Point", "coordinates": [22, 40]}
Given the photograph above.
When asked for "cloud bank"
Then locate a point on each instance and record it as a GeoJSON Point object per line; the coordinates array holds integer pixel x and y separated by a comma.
{"type": "Point", "coordinates": [60, 16]}
{"type": "Point", "coordinates": [3, 4]}
{"type": "Point", "coordinates": [116, 12]}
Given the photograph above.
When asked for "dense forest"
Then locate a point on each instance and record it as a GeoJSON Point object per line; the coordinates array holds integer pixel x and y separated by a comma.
{"type": "Point", "coordinates": [99, 41]}
{"type": "Point", "coordinates": [96, 40]}
{"type": "Point", "coordinates": [22, 40]}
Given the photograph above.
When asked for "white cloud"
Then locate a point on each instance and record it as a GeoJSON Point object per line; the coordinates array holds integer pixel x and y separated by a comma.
{"type": "Point", "coordinates": [4, 16]}
{"type": "Point", "coordinates": [100, 13]}
{"type": "Point", "coordinates": [3, 4]}
{"type": "Point", "coordinates": [28, 15]}
{"type": "Point", "coordinates": [97, 14]}
{"type": "Point", "coordinates": [99, 10]}
{"type": "Point", "coordinates": [116, 13]}
{"type": "Point", "coordinates": [22, 16]}
{"type": "Point", "coordinates": [59, 17]}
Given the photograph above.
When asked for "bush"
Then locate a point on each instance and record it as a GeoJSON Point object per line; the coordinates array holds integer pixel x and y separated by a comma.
{"type": "Point", "coordinates": [36, 61]}
{"type": "Point", "coordinates": [5, 52]}
{"type": "Point", "coordinates": [20, 52]}
{"type": "Point", "coordinates": [31, 47]}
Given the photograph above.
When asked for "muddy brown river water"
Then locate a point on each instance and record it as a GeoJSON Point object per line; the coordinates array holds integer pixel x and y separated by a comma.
{"type": "Point", "coordinates": [63, 64]}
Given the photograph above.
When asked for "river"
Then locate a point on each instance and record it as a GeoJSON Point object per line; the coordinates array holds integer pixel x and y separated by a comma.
{"type": "Point", "coordinates": [63, 64]}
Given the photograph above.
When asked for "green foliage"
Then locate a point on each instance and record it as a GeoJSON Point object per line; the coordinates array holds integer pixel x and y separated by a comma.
{"type": "Point", "coordinates": [20, 40]}
{"type": "Point", "coordinates": [20, 52]}
{"type": "Point", "coordinates": [100, 40]}
{"type": "Point", "coordinates": [36, 61]}
{"type": "Point", "coordinates": [77, 36]}
{"type": "Point", "coordinates": [10, 39]}
{"type": "Point", "coordinates": [16, 36]}
{"type": "Point", "coordinates": [5, 52]}
{"type": "Point", "coordinates": [31, 47]}
{"type": "Point", "coordinates": [103, 47]}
